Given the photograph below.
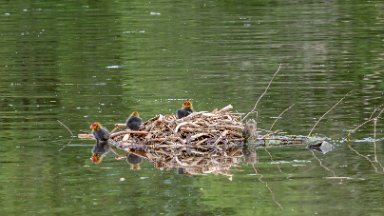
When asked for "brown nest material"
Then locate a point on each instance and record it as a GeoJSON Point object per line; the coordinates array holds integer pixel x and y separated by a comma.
{"type": "Point", "coordinates": [203, 142]}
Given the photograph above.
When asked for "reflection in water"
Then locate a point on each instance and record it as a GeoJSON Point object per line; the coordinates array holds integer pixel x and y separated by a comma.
{"type": "Point", "coordinates": [321, 146]}
{"type": "Point", "coordinates": [249, 152]}
{"type": "Point", "coordinates": [134, 161]}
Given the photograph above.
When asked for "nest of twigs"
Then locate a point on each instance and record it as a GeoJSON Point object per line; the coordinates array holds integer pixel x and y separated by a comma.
{"type": "Point", "coordinates": [203, 142]}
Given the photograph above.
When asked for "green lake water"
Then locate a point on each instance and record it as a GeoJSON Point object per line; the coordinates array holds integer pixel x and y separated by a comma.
{"type": "Point", "coordinates": [82, 61]}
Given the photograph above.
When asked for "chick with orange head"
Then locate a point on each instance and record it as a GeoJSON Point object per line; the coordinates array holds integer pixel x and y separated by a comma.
{"type": "Point", "coordinates": [99, 132]}
{"type": "Point", "coordinates": [185, 110]}
{"type": "Point", "coordinates": [101, 148]}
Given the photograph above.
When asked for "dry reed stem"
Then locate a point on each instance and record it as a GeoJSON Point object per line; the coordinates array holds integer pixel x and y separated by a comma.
{"type": "Point", "coordinates": [374, 119]}
{"type": "Point", "coordinates": [271, 158]}
{"type": "Point", "coordinates": [330, 109]}
{"type": "Point", "coordinates": [374, 141]}
{"type": "Point", "coordinates": [69, 131]}
{"type": "Point", "coordinates": [367, 121]}
{"type": "Point", "coordinates": [226, 109]}
{"type": "Point", "coordinates": [85, 136]}
{"type": "Point", "coordinates": [373, 112]}
{"type": "Point", "coordinates": [262, 95]}
{"type": "Point", "coordinates": [375, 144]}
{"type": "Point", "coordinates": [365, 157]}
{"type": "Point", "coordinates": [339, 177]}
{"type": "Point", "coordinates": [220, 137]}
{"type": "Point", "coordinates": [266, 185]}
{"type": "Point", "coordinates": [322, 165]}
{"type": "Point", "coordinates": [342, 178]}
{"type": "Point", "coordinates": [113, 135]}
{"type": "Point", "coordinates": [281, 114]}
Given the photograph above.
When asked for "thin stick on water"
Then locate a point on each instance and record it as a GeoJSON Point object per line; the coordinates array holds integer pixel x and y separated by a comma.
{"type": "Point", "coordinates": [266, 185]}
{"type": "Point", "coordinates": [271, 158]}
{"type": "Point", "coordinates": [322, 165]}
{"type": "Point", "coordinates": [279, 116]}
{"type": "Point", "coordinates": [373, 112]}
{"type": "Point", "coordinates": [266, 143]}
{"type": "Point", "coordinates": [364, 123]}
{"type": "Point", "coordinates": [69, 131]}
{"type": "Point", "coordinates": [66, 127]}
{"type": "Point", "coordinates": [363, 156]}
{"type": "Point", "coordinates": [374, 140]}
{"type": "Point", "coordinates": [321, 118]}
{"type": "Point", "coordinates": [262, 95]}
{"type": "Point", "coordinates": [342, 178]}
{"type": "Point", "coordinates": [375, 144]}
{"type": "Point", "coordinates": [374, 119]}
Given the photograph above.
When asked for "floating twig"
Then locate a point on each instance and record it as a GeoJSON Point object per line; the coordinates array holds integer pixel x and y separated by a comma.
{"type": "Point", "coordinates": [322, 165]}
{"type": "Point", "coordinates": [374, 119]}
{"type": "Point", "coordinates": [374, 140]}
{"type": "Point", "coordinates": [69, 131]}
{"type": "Point", "coordinates": [279, 116]}
{"type": "Point", "coordinates": [266, 185]}
{"type": "Point", "coordinates": [262, 95]}
{"type": "Point", "coordinates": [271, 158]}
{"type": "Point", "coordinates": [365, 157]}
{"type": "Point", "coordinates": [330, 109]}
{"type": "Point", "coordinates": [367, 121]}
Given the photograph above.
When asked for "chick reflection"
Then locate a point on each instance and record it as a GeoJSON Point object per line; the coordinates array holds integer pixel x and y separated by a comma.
{"type": "Point", "coordinates": [134, 161]}
{"type": "Point", "coordinates": [99, 150]}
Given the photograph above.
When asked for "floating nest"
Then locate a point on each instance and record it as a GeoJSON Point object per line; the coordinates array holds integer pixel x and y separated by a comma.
{"type": "Point", "coordinates": [203, 142]}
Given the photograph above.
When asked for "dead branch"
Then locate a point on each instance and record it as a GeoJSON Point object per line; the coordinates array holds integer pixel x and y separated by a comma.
{"type": "Point", "coordinates": [279, 116]}
{"type": "Point", "coordinates": [262, 95]}
{"type": "Point", "coordinates": [69, 131]}
{"type": "Point", "coordinates": [330, 109]}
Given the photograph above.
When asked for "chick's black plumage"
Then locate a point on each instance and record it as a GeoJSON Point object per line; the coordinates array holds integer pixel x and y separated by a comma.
{"type": "Point", "coordinates": [134, 121]}
{"type": "Point", "coordinates": [184, 112]}
{"type": "Point", "coordinates": [99, 132]}
{"type": "Point", "coordinates": [100, 148]}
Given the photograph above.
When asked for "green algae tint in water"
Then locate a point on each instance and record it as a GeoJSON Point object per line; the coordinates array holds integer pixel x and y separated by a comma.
{"type": "Point", "coordinates": [78, 62]}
